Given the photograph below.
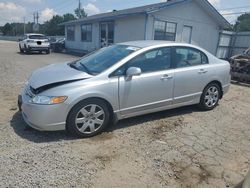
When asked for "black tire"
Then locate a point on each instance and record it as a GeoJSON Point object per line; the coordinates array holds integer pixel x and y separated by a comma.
{"type": "Point", "coordinates": [203, 101]}
{"type": "Point", "coordinates": [73, 127]}
{"type": "Point", "coordinates": [48, 51]}
{"type": "Point", "coordinates": [21, 50]}
{"type": "Point", "coordinates": [27, 51]}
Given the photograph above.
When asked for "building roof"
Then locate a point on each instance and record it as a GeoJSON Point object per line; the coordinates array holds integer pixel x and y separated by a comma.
{"type": "Point", "coordinates": [149, 9]}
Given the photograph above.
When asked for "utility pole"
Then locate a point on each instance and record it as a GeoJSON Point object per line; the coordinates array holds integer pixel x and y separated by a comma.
{"type": "Point", "coordinates": [24, 29]}
{"type": "Point", "coordinates": [34, 16]}
{"type": "Point", "coordinates": [37, 17]}
{"type": "Point", "coordinates": [36, 25]}
{"type": "Point", "coordinates": [79, 9]}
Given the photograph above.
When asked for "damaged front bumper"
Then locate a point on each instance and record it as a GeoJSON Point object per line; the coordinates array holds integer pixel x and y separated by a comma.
{"type": "Point", "coordinates": [43, 117]}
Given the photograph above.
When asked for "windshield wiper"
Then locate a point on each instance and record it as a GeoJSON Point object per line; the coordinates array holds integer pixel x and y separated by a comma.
{"type": "Point", "coordinates": [73, 65]}
{"type": "Point", "coordinates": [86, 69]}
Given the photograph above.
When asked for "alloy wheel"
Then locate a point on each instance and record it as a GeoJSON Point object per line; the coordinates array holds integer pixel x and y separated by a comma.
{"type": "Point", "coordinates": [90, 118]}
{"type": "Point", "coordinates": [211, 96]}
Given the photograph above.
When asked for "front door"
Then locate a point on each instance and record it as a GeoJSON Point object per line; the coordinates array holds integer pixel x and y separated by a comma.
{"type": "Point", "coordinates": [106, 33]}
{"type": "Point", "coordinates": [153, 89]}
{"type": "Point", "coordinates": [187, 34]}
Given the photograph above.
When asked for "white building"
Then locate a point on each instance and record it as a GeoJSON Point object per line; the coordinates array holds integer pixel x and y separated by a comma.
{"type": "Point", "coordinates": [191, 21]}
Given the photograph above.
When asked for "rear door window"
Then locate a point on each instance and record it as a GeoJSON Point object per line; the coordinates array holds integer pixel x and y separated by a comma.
{"type": "Point", "coordinates": [37, 37]}
{"type": "Point", "coordinates": [186, 57]}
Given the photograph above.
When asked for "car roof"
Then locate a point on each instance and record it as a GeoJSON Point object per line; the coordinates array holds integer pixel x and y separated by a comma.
{"type": "Point", "coordinates": [148, 43]}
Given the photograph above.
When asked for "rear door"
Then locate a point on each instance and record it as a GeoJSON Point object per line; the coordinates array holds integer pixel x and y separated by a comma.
{"type": "Point", "coordinates": [151, 90]}
{"type": "Point", "coordinates": [192, 73]}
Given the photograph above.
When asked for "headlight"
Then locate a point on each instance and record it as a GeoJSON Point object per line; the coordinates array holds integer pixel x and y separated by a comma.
{"type": "Point", "coordinates": [30, 40]}
{"type": "Point", "coordinates": [39, 99]}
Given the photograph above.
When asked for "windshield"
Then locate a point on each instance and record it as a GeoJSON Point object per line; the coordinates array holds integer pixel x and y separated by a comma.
{"type": "Point", "coordinates": [102, 59]}
{"type": "Point", "coordinates": [37, 37]}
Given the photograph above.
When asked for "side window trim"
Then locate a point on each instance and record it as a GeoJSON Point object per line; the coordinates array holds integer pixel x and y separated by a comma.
{"type": "Point", "coordinates": [187, 47]}
{"type": "Point", "coordinates": [172, 52]}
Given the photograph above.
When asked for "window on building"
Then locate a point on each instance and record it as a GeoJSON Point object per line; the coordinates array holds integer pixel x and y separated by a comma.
{"type": "Point", "coordinates": [71, 33]}
{"type": "Point", "coordinates": [186, 57]}
{"type": "Point", "coordinates": [165, 30]}
{"type": "Point", "coordinates": [86, 32]}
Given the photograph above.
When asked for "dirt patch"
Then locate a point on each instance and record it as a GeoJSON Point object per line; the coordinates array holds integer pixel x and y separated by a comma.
{"type": "Point", "coordinates": [105, 159]}
{"type": "Point", "coordinates": [103, 137]}
{"type": "Point", "coordinates": [166, 125]}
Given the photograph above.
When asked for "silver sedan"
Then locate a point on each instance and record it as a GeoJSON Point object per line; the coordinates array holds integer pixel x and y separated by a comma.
{"type": "Point", "coordinates": [121, 81]}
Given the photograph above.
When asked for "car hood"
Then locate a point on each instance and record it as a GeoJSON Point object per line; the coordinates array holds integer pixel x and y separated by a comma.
{"type": "Point", "coordinates": [56, 74]}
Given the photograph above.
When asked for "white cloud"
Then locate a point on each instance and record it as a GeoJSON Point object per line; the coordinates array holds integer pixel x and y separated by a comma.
{"type": "Point", "coordinates": [91, 9]}
{"type": "Point", "coordinates": [32, 1]}
{"type": "Point", "coordinates": [11, 12]}
{"type": "Point", "coordinates": [47, 14]}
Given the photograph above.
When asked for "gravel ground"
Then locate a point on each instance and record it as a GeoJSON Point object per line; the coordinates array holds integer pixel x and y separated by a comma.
{"type": "Point", "coordinates": [176, 148]}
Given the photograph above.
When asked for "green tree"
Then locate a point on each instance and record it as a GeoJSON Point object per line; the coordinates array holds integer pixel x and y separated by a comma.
{"type": "Point", "coordinates": [52, 26]}
{"type": "Point", "coordinates": [7, 29]}
{"type": "Point", "coordinates": [80, 13]}
{"type": "Point", "coordinates": [68, 17]}
{"type": "Point", "coordinates": [243, 23]}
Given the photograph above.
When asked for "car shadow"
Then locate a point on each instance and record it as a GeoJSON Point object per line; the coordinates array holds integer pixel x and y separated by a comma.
{"type": "Point", "coordinates": [238, 83]}
{"type": "Point", "coordinates": [28, 133]}
{"type": "Point", "coordinates": [139, 120]}
{"type": "Point", "coordinates": [32, 53]}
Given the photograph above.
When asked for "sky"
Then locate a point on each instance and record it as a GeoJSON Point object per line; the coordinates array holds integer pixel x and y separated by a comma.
{"type": "Point", "coordinates": [16, 10]}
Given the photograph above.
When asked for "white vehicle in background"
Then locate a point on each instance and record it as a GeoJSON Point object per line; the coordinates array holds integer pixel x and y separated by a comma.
{"type": "Point", "coordinates": [34, 42]}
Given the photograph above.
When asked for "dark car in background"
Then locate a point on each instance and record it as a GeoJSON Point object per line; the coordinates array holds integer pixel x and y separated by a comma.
{"type": "Point", "coordinates": [57, 44]}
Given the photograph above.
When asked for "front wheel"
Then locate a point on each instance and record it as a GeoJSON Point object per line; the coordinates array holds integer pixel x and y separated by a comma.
{"type": "Point", "coordinates": [88, 118]}
{"type": "Point", "coordinates": [21, 50]}
{"type": "Point", "coordinates": [48, 51]}
{"type": "Point", "coordinates": [210, 97]}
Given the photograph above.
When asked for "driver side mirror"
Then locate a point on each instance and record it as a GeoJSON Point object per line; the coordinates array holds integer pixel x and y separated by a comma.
{"type": "Point", "coordinates": [133, 71]}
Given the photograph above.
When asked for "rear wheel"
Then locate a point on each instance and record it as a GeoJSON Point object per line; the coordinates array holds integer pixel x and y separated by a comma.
{"type": "Point", "coordinates": [48, 51]}
{"type": "Point", "coordinates": [88, 118]}
{"type": "Point", "coordinates": [210, 97]}
{"type": "Point", "coordinates": [27, 51]}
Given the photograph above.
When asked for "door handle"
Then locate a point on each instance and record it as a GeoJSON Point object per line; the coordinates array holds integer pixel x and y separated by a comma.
{"type": "Point", "coordinates": [202, 71]}
{"type": "Point", "coordinates": [166, 77]}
